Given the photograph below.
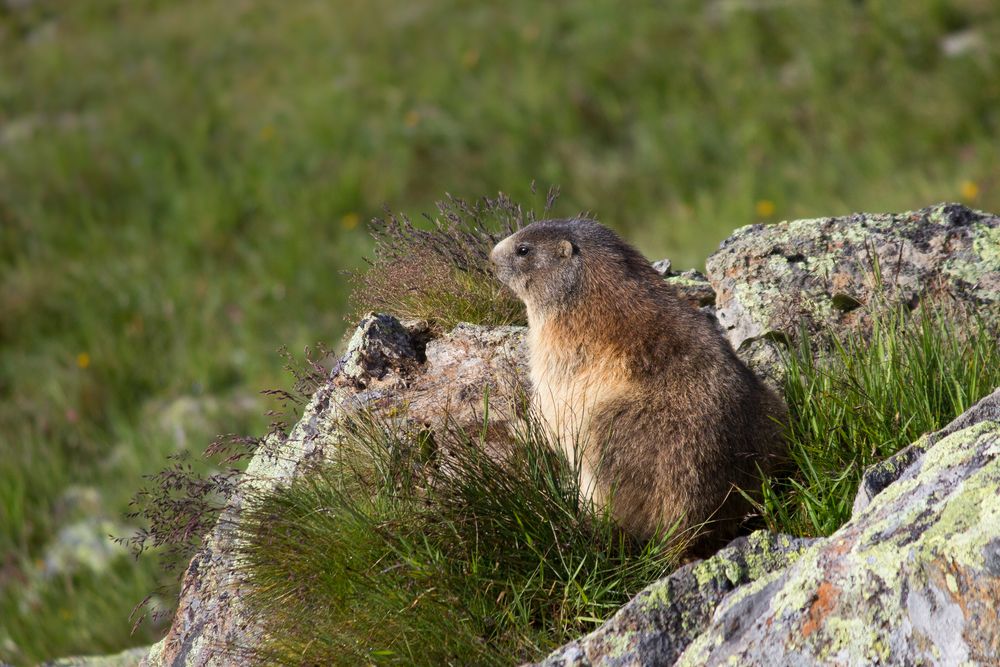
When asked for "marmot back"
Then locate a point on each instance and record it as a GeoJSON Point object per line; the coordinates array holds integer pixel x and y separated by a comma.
{"type": "Point", "coordinates": [641, 390]}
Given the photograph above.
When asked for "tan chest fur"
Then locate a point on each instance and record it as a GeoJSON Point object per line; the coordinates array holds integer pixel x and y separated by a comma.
{"type": "Point", "coordinates": [570, 383]}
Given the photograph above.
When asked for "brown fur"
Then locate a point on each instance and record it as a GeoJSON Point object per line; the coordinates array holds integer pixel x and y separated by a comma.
{"type": "Point", "coordinates": [668, 421]}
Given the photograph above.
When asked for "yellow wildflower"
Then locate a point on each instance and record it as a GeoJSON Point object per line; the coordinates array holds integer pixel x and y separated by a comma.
{"type": "Point", "coordinates": [764, 208]}
{"type": "Point", "coordinates": [83, 360]}
{"type": "Point", "coordinates": [350, 220]}
{"type": "Point", "coordinates": [970, 190]}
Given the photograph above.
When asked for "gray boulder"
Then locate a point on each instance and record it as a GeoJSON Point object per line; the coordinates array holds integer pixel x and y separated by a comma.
{"type": "Point", "coordinates": [657, 625]}
{"type": "Point", "coordinates": [877, 477]}
{"type": "Point", "coordinates": [386, 364]}
{"type": "Point", "coordinates": [913, 578]}
{"type": "Point", "coordinates": [128, 658]}
{"type": "Point", "coordinates": [773, 281]}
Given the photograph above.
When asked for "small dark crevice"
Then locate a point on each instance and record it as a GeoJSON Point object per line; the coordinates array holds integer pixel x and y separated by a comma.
{"type": "Point", "coordinates": [419, 337]}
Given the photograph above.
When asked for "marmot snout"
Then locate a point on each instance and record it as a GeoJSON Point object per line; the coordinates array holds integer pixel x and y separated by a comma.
{"type": "Point", "coordinates": [665, 419]}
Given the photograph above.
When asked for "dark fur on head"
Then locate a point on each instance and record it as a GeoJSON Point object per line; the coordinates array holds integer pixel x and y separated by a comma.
{"type": "Point", "coordinates": [551, 265]}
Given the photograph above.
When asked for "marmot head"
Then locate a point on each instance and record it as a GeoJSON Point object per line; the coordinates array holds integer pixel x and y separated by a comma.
{"type": "Point", "coordinates": [546, 263]}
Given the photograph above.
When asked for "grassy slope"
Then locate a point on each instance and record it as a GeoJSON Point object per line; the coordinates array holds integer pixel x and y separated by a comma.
{"type": "Point", "coordinates": [181, 181]}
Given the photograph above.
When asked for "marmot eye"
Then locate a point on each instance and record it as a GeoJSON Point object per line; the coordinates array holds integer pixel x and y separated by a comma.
{"type": "Point", "coordinates": [523, 250]}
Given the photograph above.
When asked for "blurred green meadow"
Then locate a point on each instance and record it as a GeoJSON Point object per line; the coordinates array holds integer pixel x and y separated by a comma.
{"type": "Point", "coordinates": [182, 185]}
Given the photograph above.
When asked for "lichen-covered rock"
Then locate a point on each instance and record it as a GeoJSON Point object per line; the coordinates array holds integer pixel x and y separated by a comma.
{"type": "Point", "coordinates": [691, 285]}
{"type": "Point", "coordinates": [210, 624]}
{"type": "Point", "coordinates": [128, 658]}
{"type": "Point", "coordinates": [882, 474]}
{"type": "Point", "coordinates": [86, 544]}
{"type": "Point", "coordinates": [387, 363]}
{"type": "Point", "coordinates": [913, 578]}
{"type": "Point", "coordinates": [658, 624]}
{"type": "Point", "coordinates": [381, 346]}
{"type": "Point", "coordinates": [774, 280]}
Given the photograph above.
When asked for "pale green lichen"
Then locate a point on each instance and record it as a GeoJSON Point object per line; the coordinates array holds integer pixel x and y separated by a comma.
{"type": "Point", "coordinates": [765, 556]}
{"type": "Point", "coordinates": [657, 596]}
{"type": "Point", "coordinates": [795, 597]}
{"type": "Point", "coordinates": [822, 265]}
{"type": "Point", "coordinates": [758, 559]}
{"type": "Point", "coordinates": [894, 505]}
{"type": "Point", "coordinates": [716, 568]}
{"type": "Point", "coordinates": [955, 449]}
{"type": "Point", "coordinates": [616, 645]}
{"type": "Point", "coordinates": [985, 259]}
{"type": "Point", "coordinates": [757, 299]}
{"type": "Point", "coordinates": [972, 518]}
{"type": "Point", "coordinates": [777, 264]}
{"type": "Point", "coordinates": [844, 636]}
{"type": "Point", "coordinates": [805, 228]}
{"type": "Point", "coordinates": [683, 281]}
{"type": "Point", "coordinates": [986, 245]}
{"type": "Point", "coordinates": [862, 632]}
{"type": "Point", "coordinates": [937, 215]}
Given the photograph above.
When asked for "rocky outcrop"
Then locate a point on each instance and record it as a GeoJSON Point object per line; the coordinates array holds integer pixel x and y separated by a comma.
{"type": "Point", "coordinates": [387, 364]}
{"type": "Point", "coordinates": [657, 625]}
{"type": "Point", "coordinates": [881, 475]}
{"type": "Point", "coordinates": [691, 285]}
{"type": "Point", "coordinates": [913, 578]}
{"type": "Point", "coordinates": [910, 575]}
{"type": "Point", "coordinates": [773, 282]}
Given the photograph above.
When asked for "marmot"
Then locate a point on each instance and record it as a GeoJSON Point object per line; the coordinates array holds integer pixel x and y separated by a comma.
{"type": "Point", "coordinates": [668, 421]}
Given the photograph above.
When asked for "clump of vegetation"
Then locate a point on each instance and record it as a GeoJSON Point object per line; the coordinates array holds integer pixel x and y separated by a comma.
{"type": "Point", "coordinates": [441, 272]}
{"type": "Point", "coordinates": [414, 547]}
{"type": "Point", "coordinates": [856, 400]}
{"type": "Point", "coordinates": [396, 553]}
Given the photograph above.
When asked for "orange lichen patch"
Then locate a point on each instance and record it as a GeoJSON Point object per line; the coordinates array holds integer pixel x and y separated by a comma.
{"type": "Point", "coordinates": [976, 594]}
{"type": "Point", "coordinates": [842, 544]}
{"type": "Point", "coordinates": [823, 603]}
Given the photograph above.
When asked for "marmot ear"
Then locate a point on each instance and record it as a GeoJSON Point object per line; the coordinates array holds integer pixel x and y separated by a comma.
{"type": "Point", "coordinates": [565, 248]}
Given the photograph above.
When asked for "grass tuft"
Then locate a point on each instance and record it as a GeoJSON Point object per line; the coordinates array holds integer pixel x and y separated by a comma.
{"type": "Point", "coordinates": [441, 272]}
{"type": "Point", "coordinates": [406, 550]}
{"type": "Point", "coordinates": [867, 398]}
